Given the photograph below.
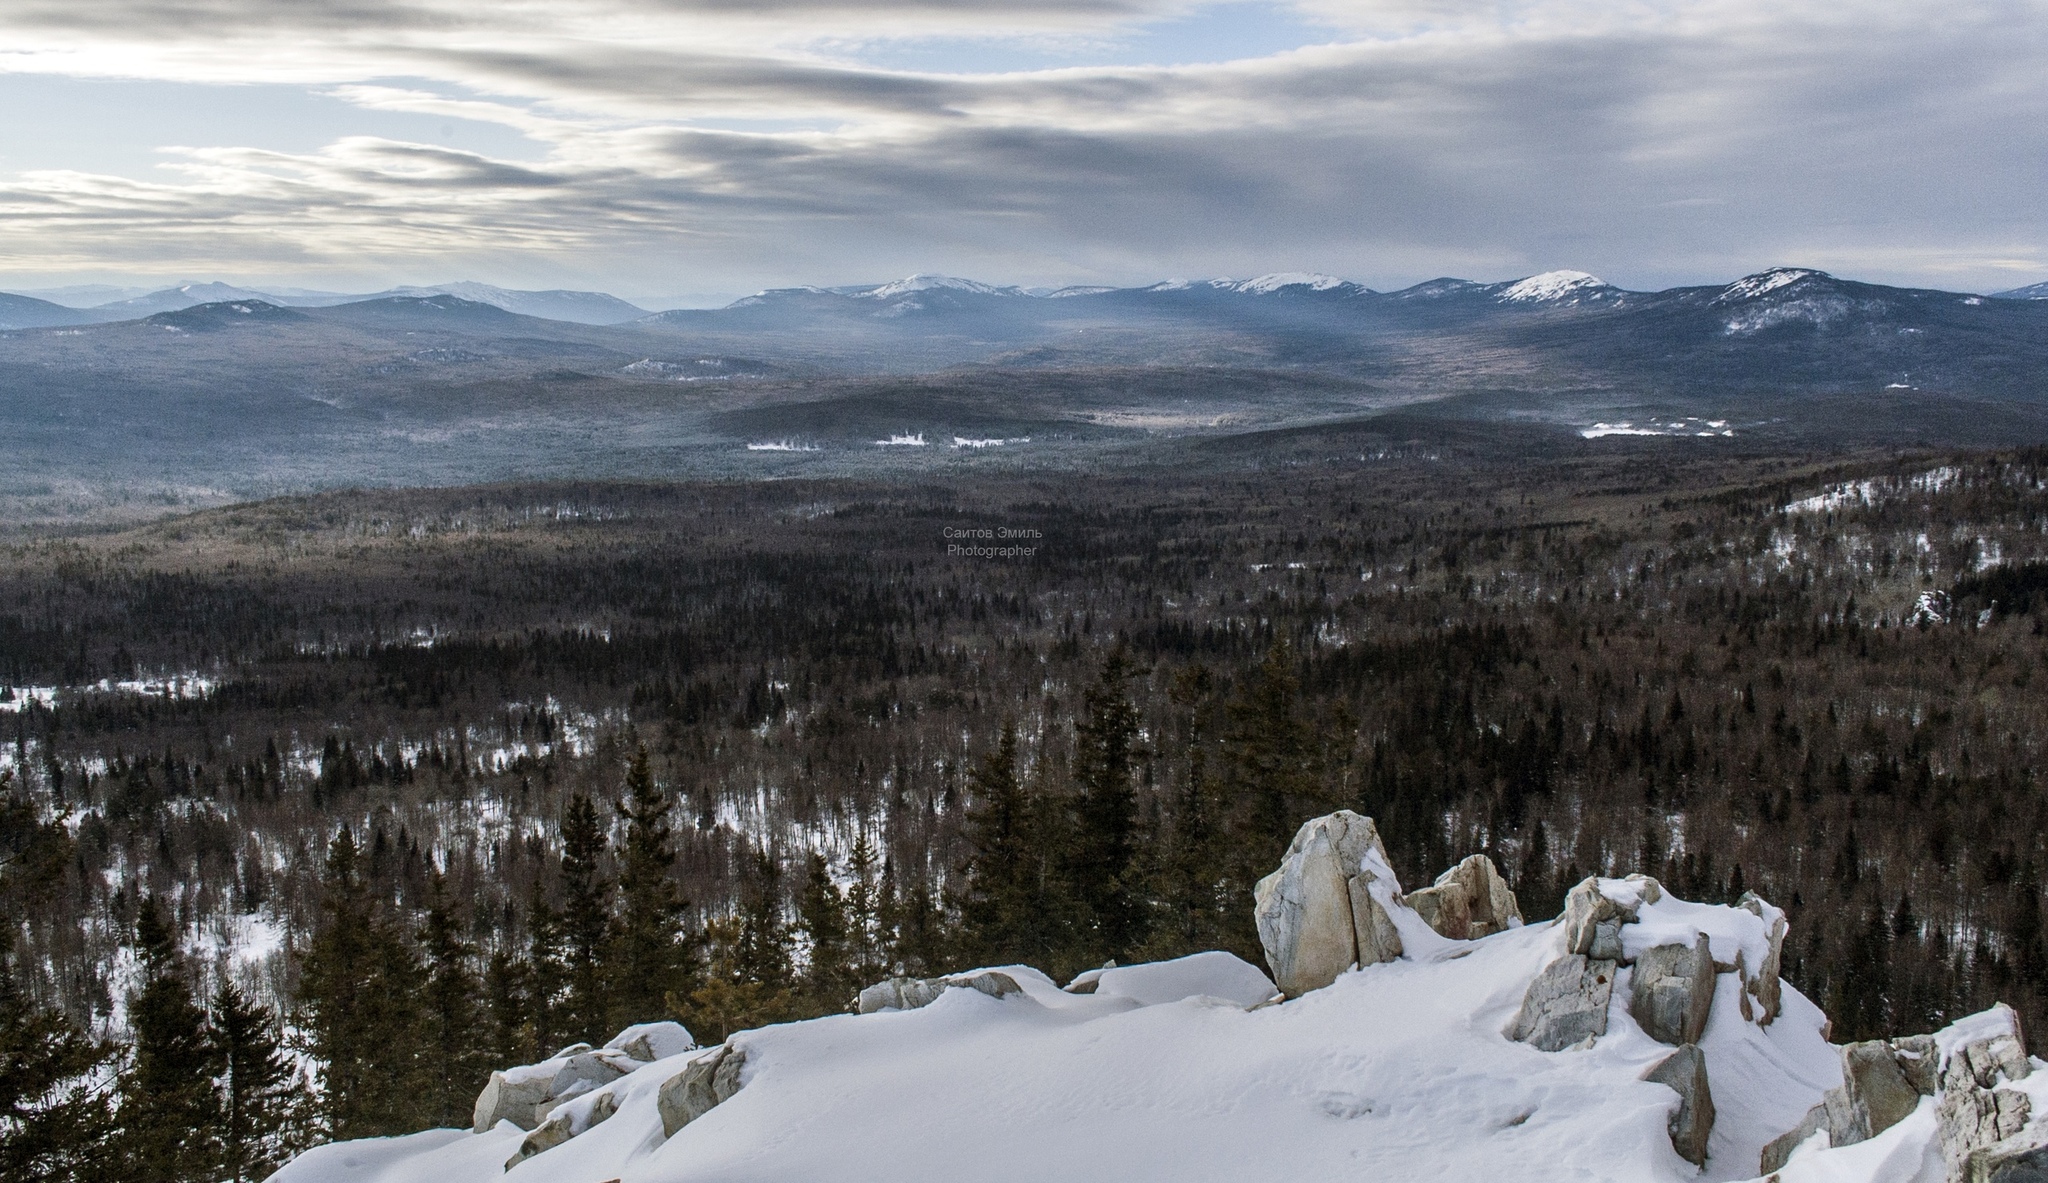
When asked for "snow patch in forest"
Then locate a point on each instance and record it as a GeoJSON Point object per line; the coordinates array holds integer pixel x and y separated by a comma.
{"type": "Point", "coordinates": [1873, 490]}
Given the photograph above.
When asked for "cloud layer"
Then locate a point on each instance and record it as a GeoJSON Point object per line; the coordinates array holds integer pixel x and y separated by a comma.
{"type": "Point", "coordinates": [712, 142]}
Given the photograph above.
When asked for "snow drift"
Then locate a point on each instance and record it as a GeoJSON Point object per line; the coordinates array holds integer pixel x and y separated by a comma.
{"type": "Point", "coordinates": [1200, 1069]}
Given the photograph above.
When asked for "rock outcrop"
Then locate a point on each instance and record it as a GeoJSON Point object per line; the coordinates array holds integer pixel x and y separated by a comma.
{"type": "Point", "coordinates": [1984, 1128]}
{"type": "Point", "coordinates": [1882, 1082]}
{"type": "Point", "coordinates": [912, 993]}
{"type": "Point", "coordinates": [1467, 902]}
{"type": "Point", "coordinates": [1760, 987]}
{"type": "Point", "coordinates": [523, 1096]}
{"type": "Point", "coordinates": [562, 1127]}
{"type": "Point", "coordinates": [1671, 991]}
{"type": "Point", "coordinates": [648, 1042]}
{"type": "Point", "coordinates": [1316, 915]}
{"type": "Point", "coordinates": [1566, 1004]}
{"type": "Point", "coordinates": [1685, 1072]}
{"type": "Point", "coordinates": [1593, 919]}
{"type": "Point", "coordinates": [707, 1082]}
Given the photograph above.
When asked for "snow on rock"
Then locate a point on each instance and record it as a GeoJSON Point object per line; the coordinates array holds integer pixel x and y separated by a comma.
{"type": "Point", "coordinates": [925, 283]}
{"type": "Point", "coordinates": [1316, 915]}
{"type": "Point", "coordinates": [1552, 285]}
{"type": "Point", "coordinates": [1266, 285]}
{"type": "Point", "coordinates": [1217, 975]}
{"type": "Point", "coordinates": [652, 1041]}
{"type": "Point", "coordinates": [1190, 1070]}
{"type": "Point", "coordinates": [1469, 901]}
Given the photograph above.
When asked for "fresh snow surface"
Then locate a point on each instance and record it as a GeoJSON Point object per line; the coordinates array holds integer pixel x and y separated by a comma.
{"type": "Point", "coordinates": [1689, 425]}
{"type": "Point", "coordinates": [915, 440]}
{"type": "Point", "coordinates": [1876, 489]}
{"type": "Point", "coordinates": [1183, 1073]}
{"type": "Point", "coordinates": [1552, 285]}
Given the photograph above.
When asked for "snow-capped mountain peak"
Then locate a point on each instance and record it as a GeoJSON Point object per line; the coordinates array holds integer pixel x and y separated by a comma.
{"type": "Point", "coordinates": [925, 283]}
{"type": "Point", "coordinates": [1263, 285]}
{"type": "Point", "coordinates": [1749, 287]}
{"type": "Point", "coordinates": [1552, 285]}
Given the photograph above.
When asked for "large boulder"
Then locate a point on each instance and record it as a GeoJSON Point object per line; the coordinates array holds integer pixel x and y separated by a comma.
{"type": "Point", "coordinates": [1467, 902]}
{"type": "Point", "coordinates": [1763, 996]}
{"type": "Point", "coordinates": [1671, 991]}
{"type": "Point", "coordinates": [510, 1097]}
{"type": "Point", "coordinates": [647, 1042]}
{"type": "Point", "coordinates": [912, 993]}
{"type": "Point", "coordinates": [1983, 1127]}
{"type": "Point", "coordinates": [1566, 1004]}
{"type": "Point", "coordinates": [1874, 1096]}
{"type": "Point", "coordinates": [705, 1083]}
{"type": "Point", "coordinates": [562, 1127]}
{"type": "Point", "coordinates": [1685, 1072]}
{"type": "Point", "coordinates": [1306, 918]}
{"type": "Point", "coordinates": [1593, 917]}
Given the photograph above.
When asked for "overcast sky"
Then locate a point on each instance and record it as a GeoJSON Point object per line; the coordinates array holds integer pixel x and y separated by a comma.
{"type": "Point", "coordinates": [671, 149]}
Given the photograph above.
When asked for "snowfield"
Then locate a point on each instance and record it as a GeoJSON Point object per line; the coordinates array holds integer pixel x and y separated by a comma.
{"type": "Point", "coordinates": [1187, 1071]}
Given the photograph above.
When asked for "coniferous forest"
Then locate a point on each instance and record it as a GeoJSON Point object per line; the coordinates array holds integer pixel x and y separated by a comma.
{"type": "Point", "coordinates": [317, 810]}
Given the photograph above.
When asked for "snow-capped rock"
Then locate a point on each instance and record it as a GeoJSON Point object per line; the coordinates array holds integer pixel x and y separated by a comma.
{"type": "Point", "coordinates": [1266, 285]}
{"type": "Point", "coordinates": [1763, 283]}
{"type": "Point", "coordinates": [1315, 918]}
{"type": "Point", "coordinates": [1189, 1071]}
{"type": "Point", "coordinates": [1469, 901]}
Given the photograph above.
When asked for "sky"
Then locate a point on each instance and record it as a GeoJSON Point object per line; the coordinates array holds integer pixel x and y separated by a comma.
{"type": "Point", "coordinates": [687, 151]}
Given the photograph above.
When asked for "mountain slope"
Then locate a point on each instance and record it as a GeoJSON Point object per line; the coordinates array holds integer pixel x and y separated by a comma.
{"type": "Point", "coordinates": [27, 312]}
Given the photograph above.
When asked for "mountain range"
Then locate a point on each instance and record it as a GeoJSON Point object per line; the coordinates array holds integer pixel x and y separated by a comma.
{"type": "Point", "coordinates": [223, 388]}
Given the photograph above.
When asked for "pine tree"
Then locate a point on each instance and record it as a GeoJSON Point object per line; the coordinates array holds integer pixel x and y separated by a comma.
{"type": "Point", "coordinates": [1104, 853]}
{"type": "Point", "coordinates": [821, 915]}
{"type": "Point", "coordinates": [1187, 863]}
{"type": "Point", "coordinates": [653, 955]}
{"type": "Point", "coordinates": [454, 1035]}
{"type": "Point", "coordinates": [168, 1108]}
{"type": "Point", "coordinates": [262, 1120]}
{"type": "Point", "coordinates": [54, 1123]}
{"type": "Point", "coordinates": [586, 920]}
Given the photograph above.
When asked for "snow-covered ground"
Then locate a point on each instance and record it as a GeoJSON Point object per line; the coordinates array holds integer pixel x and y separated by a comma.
{"type": "Point", "coordinates": [1183, 1071]}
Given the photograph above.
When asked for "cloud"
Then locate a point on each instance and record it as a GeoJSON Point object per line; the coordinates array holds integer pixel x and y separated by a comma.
{"type": "Point", "coordinates": [1650, 143]}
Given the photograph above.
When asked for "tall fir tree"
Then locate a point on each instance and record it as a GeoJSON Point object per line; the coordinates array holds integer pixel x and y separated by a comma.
{"type": "Point", "coordinates": [1187, 862]}
{"type": "Point", "coordinates": [1016, 905]}
{"type": "Point", "coordinates": [1105, 872]}
{"type": "Point", "coordinates": [821, 915]}
{"type": "Point", "coordinates": [586, 920]}
{"type": "Point", "coordinates": [748, 981]}
{"type": "Point", "coordinates": [455, 1037]}
{"type": "Point", "coordinates": [545, 976]}
{"type": "Point", "coordinates": [262, 1109]}
{"type": "Point", "coordinates": [359, 986]}
{"type": "Point", "coordinates": [867, 946]}
{"type": "Point", "coordinates": [507, 1001]}
{"type": "Point", "coordinates": [55, 1121]}
{"type": "Point", "coordinates": [168, 1109]}
{"type": "Point", "coordinates": [653, 953]}
{"type": "Point", "coordinates": [1270, 775]}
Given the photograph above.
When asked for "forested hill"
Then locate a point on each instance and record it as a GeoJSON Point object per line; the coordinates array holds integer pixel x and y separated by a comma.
{"type": "Point", "coordinates": [375, 759]}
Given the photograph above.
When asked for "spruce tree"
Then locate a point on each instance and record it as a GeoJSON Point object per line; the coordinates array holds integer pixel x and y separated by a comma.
{"type": "Point", "coordinates": [54, 1121]}
{"type": "Point", "coordinates": [454, 1037]}
{"type": "Point", "coordinates": [261, 1108]}
{"type": "Point", "coordinates": [545, 977]}
{"type": "Point", "coordinates": [168, 1108]}
{"type": "Point", "coordinates": [1270, 775]}
{"type": "Point", "coordinates": [748, 981]}
{"type": "Point", "coordinates": [995, 903]}
{"type": "Point", "coordinates": [1104, 853]}
{"type": "Point", "coordinates": [866, 948]}
{"type": "Point", "coordinates": [653, 955]}
{"type": "Point", "coordinates": [586, 919]}
{"type": "Point", "coordinates": [821, 915]}
{"type": "Point", "coordinates": [360, 987]}
{"type": "Point", "coordinates": [507, 999]}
